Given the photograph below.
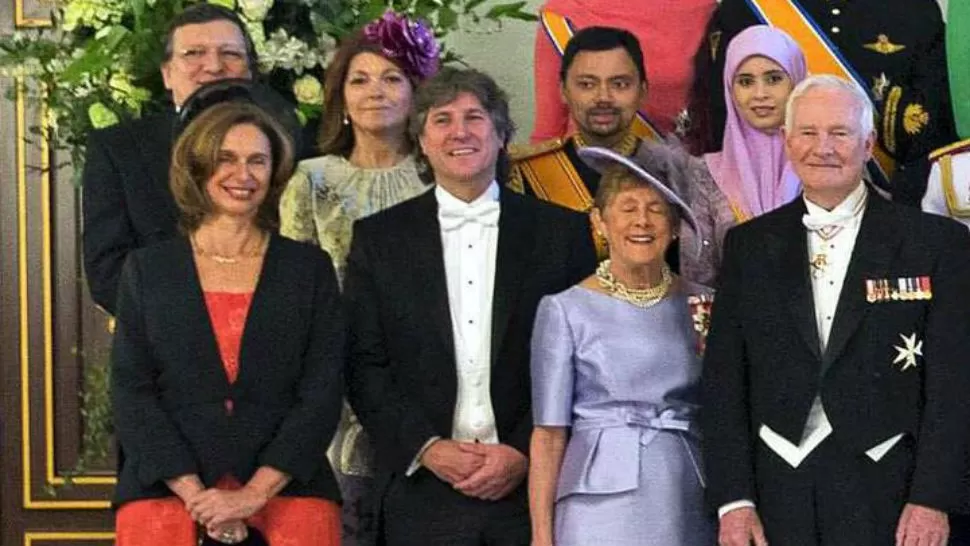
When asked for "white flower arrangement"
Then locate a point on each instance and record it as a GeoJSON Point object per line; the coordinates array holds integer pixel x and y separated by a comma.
{"type": "Point", "coordinates": [99, 64]}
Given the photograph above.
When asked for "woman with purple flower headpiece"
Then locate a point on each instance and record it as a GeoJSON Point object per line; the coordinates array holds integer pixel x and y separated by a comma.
{"type": "Point", "coordinates": [366, 165]}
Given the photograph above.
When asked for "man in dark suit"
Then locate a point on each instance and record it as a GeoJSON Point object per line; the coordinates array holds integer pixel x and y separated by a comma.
{"type": "Point", "coordinates": [127, 202]}
{"type": "Point", "coordinates": [441, 292]}
{"type": "Point", "coordinates": [836, 368]}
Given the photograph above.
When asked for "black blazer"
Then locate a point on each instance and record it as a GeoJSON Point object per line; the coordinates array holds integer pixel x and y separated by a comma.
{"type": "Point", "coordinates": [127, 202]}
{"type": "Point", "coordinates": [402, 377]}
{"type": "Point", "coordinates": [169, 387]}
{"type": "Point", "coordinates": [763, 364]}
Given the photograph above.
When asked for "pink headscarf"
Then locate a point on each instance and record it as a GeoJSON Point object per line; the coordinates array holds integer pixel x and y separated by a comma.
{"type": "Point", "coordinates": [751, 168]}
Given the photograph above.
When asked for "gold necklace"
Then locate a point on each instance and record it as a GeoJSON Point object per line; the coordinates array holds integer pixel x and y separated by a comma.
{"type": "Point", "coordinates": [641, 297]}
{"type": "Point", "coordinates": [625, 147]}
{"type": "Point", "coordinates": [231, 260]}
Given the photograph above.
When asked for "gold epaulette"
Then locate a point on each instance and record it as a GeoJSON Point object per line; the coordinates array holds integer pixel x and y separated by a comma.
{"type": "Point", "coordinates": [950, 149]}
{"type": "Point", "coordinates": [518, 152]}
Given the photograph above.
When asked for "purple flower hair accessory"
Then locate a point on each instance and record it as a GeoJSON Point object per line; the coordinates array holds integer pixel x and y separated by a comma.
{"type": "Point", "coordinates": [411, 43]}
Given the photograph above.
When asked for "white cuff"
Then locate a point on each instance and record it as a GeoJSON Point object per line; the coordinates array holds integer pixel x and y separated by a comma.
{"type": "Point", "coordinates": [724, 509]}
{"type": "Point", "coordinates": [416, 462]}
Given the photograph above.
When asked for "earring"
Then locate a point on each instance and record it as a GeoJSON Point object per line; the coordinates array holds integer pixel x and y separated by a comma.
{"type": "Point", "coordinates": [346, 119]}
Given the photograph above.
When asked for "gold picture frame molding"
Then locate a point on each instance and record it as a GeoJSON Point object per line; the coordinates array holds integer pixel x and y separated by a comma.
{"type": "Point", "coordinates": [50, 475]}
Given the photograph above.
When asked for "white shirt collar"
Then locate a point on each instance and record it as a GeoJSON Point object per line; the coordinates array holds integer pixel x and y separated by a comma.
{"type": "Point", "coordinates": [850, 206]}
{"type": "Point", "coordinates": [449, 201]}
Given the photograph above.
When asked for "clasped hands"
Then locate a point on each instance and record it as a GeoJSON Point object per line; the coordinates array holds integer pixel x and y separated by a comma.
{"type": "Point", "coordinates": [918, 526]}
{"type": "Point", "coordinates": [483, 471]}
{"type": "Point", "coordinates": [223, 511]}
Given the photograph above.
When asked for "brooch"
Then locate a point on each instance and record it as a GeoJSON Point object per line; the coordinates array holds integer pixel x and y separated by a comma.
{"type": "Point", "coordinates": [884, 45]}
{"type": "Point", "coordinates": [907, 355]}
{"type": "Point", "coordinates": [915, 118]}
{"type": "Point", "coordinates": [700, 314]}
{"type": "Point", "coordinates": [879, 87]}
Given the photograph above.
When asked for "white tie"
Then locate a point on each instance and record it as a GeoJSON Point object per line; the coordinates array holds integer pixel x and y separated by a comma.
{"type": "Point", "coordinates": [485, 213]}
{"type": "Point", "coordinates": [827, 224]}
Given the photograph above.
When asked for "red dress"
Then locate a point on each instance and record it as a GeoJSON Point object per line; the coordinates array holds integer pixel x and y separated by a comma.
{"type": "Point", "coordinates": [284, 521]}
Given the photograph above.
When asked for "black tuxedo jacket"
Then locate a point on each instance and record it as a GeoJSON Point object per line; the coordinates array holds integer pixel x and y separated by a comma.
{"type": "Point", "coordinates": [127, 202]}
{"type": "Point", "coordinates": [402, 370]}
{"type": "Point", "coordinates": [169, 388]}
{"type": "Point", "coordinates": [763, 364]}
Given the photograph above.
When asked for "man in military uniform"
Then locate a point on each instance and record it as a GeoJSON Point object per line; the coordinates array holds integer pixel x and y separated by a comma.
{"type": "Point", "coordinates": [893, 48]}
{"type": "Point", "coordinates": [603, 82]}
{"type": "Point", "coordinates": [947, 192]}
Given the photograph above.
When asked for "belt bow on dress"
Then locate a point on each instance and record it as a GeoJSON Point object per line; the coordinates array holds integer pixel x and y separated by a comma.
{"type": "Point", "coordinates": [603, 455]}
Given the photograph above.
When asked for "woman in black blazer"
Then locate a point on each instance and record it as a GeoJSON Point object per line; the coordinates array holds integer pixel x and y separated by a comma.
{"type": "Point", "coordinates": [228, 355]}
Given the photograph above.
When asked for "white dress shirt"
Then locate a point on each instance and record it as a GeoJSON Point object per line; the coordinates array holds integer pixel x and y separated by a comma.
{"type": "Point", "coordinates": [469, 241]}
{"type": "Point", "coordinates": [469, 252]}
{"type": "Point", "coordinates": [828, 259]}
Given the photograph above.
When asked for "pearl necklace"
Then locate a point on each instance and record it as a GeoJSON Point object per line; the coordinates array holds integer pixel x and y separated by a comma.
{"type": "Point", "coordinates": [641, 297]}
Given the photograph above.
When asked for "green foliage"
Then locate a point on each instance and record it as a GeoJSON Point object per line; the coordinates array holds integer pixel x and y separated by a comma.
{"type": "Point", "coordinates": [99, 65]}
{"type": "Point", "coordinates": [102, 57]}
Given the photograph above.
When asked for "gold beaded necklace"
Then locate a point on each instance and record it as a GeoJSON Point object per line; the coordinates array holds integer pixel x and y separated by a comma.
{"type": "Point", "coordinates": [231, 260]}
{"type": "Point", "coordinates": [625, 147]}
{"type": "Point", "coordinates": [641, 297]}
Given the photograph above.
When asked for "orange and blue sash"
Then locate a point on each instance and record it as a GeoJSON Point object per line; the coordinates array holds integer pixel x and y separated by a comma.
{"type": "Point", "coordinates": [822, 57]}
{"type": "Point", "coordinates": [559, 29]}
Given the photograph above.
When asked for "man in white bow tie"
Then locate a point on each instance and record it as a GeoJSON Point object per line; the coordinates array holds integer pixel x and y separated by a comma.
{"type": "Point", "coordinates": [442, 292]}
{"type": "Point", "coordinates": [836, 368]}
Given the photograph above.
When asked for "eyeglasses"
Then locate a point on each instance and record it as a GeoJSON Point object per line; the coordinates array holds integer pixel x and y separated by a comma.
{"type": "Point", "coordinates": [231, 57]}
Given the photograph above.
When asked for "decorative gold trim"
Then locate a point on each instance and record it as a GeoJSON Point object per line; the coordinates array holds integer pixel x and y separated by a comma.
{"type": "Point", "coordinates": [22, 291]}
{"type": "Point", "coordinates": [47, 328]}
{"type": "Point", "coordinates": [28, 22]}
{"type": "Point", "coordinates": [519, 152]}
{"type": "Point", "coordinates": [949, 192]}
{"type": "Point", "coordinates": [740, 216]}
{"type": "Point", "coordinates": [57, 536]}
{"type": "Point", "coordinates": [949, 148]}
{"type": "Point", "coordinates": [884, 45]}
{"type": "Point", "coordinates": [889, 118]}
{"type": "Point", "coordinates": [915, 118]}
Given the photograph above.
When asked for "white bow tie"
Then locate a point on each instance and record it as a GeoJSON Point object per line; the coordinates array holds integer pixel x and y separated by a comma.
{"type": "Point", "coordinates": [485, 213]}
{"type": "Point", "coordinates": [827, 224]}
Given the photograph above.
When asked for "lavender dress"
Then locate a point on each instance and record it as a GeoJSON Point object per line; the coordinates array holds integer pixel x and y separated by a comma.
{"type": "Point", "coordinates": [626, 380]}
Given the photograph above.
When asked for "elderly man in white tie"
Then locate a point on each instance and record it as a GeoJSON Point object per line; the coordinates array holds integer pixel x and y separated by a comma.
{"type": "Point", "coordinates": [836, 368]}
{"type": "Point", "coordinates": [441, 294]}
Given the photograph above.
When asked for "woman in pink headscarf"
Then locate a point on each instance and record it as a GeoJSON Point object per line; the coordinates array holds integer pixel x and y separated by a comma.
{"type": "Point", "coordinates": [751, 174]}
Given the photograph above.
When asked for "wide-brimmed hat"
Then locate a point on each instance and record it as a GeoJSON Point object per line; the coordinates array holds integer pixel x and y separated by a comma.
{"type": "Point", "coordinates": [601, 159]}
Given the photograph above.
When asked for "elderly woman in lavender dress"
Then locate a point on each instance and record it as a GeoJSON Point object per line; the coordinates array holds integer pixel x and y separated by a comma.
{"type": "Point", "coordinates": [615, 372]}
